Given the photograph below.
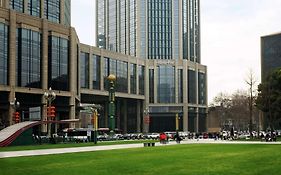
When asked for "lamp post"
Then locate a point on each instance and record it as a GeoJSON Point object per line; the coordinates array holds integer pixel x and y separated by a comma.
{"type": "Point", "coordinates": [15, 105]}
{"type": "Point", "coordinates": [49, 96]}
{"type": "Point", "coordinates": [111, 78]}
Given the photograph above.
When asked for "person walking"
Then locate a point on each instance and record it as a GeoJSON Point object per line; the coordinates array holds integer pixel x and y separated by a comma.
{"type": "Point", "coordinates": [177, 137]}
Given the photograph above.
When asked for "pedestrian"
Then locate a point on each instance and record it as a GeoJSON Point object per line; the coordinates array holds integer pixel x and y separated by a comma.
{"type": "Point", "coordinates": [163, 138]}
{"type": "Point", "coordinates": [177, 137]}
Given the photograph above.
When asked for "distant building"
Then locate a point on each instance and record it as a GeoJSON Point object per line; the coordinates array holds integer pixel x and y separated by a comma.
{"type": "Point", "coordinates": [270, 54]}
{"type": "Point", "coordinates": [166, 35]}
{"type": "Point", "coordinates": [270, 59]}
{"type": "Point", "coordinates": [157, 63]}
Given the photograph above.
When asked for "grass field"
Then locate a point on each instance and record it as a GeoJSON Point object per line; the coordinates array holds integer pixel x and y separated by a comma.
{"type": "Point", "coordinates": [201, 159]}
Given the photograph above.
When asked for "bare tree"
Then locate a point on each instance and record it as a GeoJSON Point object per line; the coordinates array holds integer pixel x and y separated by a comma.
{"type": "Point", "coordinates": [251, 82]}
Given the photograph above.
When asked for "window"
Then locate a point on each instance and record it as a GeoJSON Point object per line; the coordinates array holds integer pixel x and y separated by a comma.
{"type": "Point", "coordinates": [133, 78]}
{"type": "Point", "coordinates": [191, 86]}
{"type": "Point", "coordinates": [141, 79]}
{"type": "Point", "coordinates": [122, 77]}
{"type": "Point", "coordinates": [33, 7]}
{"type": "Point", "coordinates": [28, 58]}
{"type": "Point", "coordinates": [84, 70]}
{"type": "Point", "coordinates": [58, 63]}
{"type": "Point", "coordinates": [166, 84]}
{"type": "Point", "coordinates": [96, 72]}
{"type": "Point", "coordinates": [17, 5]}
{"type": "Point", "coordinates": [3, 54]}
{"type": "Point", "coordinates": [52, 10]}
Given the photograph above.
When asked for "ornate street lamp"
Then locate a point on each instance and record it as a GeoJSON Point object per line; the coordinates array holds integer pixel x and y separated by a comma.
{"type": "Point", "coordinates": [50, 96]}
{"type": "Point", "coordinates": [111, 78]}
{"type": "Point", "coordinates": [15, 105]}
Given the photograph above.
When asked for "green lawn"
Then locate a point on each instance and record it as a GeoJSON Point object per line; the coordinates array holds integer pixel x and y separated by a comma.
{"type": "Point", "coordinates": [201, 159]}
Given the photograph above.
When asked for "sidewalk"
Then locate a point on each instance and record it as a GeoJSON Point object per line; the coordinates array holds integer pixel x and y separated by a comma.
{"type": "Point", "coordinates": [113, 147]}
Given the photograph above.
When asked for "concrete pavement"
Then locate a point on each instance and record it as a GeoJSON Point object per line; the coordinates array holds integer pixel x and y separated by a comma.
{"type": "Point", "coordinates": [113, 147]}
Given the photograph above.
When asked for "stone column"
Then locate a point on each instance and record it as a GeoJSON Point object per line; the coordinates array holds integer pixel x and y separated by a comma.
{"type": "Point", "coordinates": [72, 73]}
{"type": "Point", "coordinates": [12, 62]}
{"type": "Point", "coordinates": [185, 96]}
{"type": "Point", "coordinates": [44, 71]}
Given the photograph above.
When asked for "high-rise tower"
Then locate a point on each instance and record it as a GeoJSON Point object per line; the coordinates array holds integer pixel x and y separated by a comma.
{"type": "Point", "coordinates": [166, 34]}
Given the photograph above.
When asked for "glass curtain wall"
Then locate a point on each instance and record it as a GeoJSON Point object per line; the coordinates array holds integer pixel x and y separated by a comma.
{"type": "Point", "coordinates": [176, 29]}
{"type": "Point", "coordinates": [143, 28]}
{"type": "Point", "coordinates": [180, 85]}
{"type": "Point", "coordinates": [58, 63]}
{"type": "Point", "coordinates": [4, 54]}
{"type": "Point", "coordinates": [132, 27]}
{"type": "Point", "coordinates": [67, 14]}
{"type": "Point", "coordinates": [105, 73]}
{"type": "Point", "coordinates": [122, 77]}
{"type": "Point", "coordinates": [160, 29]}
{"type": "Point", "coordinates": [141, 79]}
{"type": "Point", "coordinates": [28, 58]}
{"type": "Point", "coordinates": [123, 26]}
{"type": "Point", "coordinates": [133, 78]}
{"type": "Point", "coordinates": [96, 71]}
{"type": "Point", "coordinates": [185, 29]}
{"type": "Point", "coordinates": [101, 39]}
{"type": "Point", "coordinates": [112, 25]}
{"type": "Point", "coordinates": [191, 87]}
{"type": "Point", "coordinates": [84, 70]}
{"type": "Point", "coordinates": [166, 84]}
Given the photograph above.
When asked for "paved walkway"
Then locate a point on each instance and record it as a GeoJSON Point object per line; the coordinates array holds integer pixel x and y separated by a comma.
{"type": "Point", "coordinates": [112, 147]}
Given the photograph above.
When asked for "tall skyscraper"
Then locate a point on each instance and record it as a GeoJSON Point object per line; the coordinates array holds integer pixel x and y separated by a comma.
{"type": "Point", "coordinates": [166, 33]}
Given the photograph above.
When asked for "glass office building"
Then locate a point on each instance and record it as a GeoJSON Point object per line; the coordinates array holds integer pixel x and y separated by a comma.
{"type": "Point", "coordinates": [270, 60]}
{"type": "Point", "coordinates": [152, 47]}
{"type": "Point", "coordinates": [167, 34]}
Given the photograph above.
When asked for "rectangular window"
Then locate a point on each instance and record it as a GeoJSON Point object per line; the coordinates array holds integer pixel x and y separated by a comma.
{"type": "Point", "coordinates": [191, 87]}
{"type": "Point", "coordinates": [17, 5]}
{"type": "Point", "coordinates": [34, 7]}
{"type": "Point", "coordinates": [106, 73]}
{"type": "Point", "coordinates": [28, 58]}
{"type": "Point", "coordinates": [180, 85]}
{"type": "Point", "coordinates": [141, 79]}
{"type": "Point", "coordinates": [58, 63]}
{"type": "Point", "coordinates": [122, 77]}
{"type": "Point", "coordinates": [52, 10]}
{"type": "Point", "coordinates": [96, 72]}
{"type": "Point", "coordinates": [3, 54]}
{"type": "Point", "coordinates": [133, 78]}
{"type": "Point", "coordinates": [84, 70]}
{"type": "Point", "coordinates": [166, 84]}
{"type": "Point", "coordinates": [67, 15]}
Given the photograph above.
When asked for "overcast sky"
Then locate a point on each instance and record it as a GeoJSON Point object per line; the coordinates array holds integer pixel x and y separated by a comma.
{"type": "Point", "coordinates": [230, 37]}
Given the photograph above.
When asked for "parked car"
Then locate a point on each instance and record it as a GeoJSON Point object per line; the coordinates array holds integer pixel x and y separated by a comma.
{"type": "Point", "coordinates": [153, 136]}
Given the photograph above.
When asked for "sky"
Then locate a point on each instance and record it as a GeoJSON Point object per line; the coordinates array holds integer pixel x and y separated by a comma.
{"type": "Point", "coordinates": [230, 38]}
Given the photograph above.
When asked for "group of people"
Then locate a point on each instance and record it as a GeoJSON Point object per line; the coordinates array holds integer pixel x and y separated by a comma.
{"type": "Point", "coordinates": [164, 138]}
